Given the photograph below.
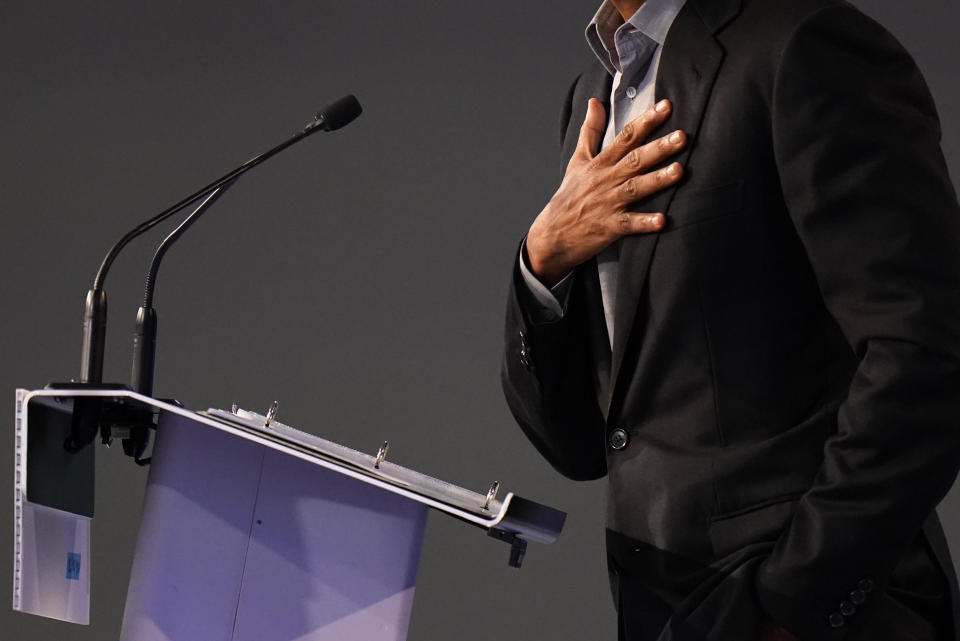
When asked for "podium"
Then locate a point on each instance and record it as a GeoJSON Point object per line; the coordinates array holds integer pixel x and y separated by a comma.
{"type": "Point", "coordinates": [251, 531]}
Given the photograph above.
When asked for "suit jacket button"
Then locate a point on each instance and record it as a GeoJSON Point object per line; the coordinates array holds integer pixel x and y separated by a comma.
{"type": "Point", "coordinates": [618, 439]}
{"type": "Point", "coordinates": [858, 597]}
{"type": "Point", "coordinates": [866, 585]}
{"type": "Point", "coordinates": [847, 608]}
{"type": "Point", "coordinates": [836, 620]}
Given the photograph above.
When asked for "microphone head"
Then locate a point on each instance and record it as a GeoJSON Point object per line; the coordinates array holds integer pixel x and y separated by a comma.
{"type": "Point", "coordinates": [339, 113]}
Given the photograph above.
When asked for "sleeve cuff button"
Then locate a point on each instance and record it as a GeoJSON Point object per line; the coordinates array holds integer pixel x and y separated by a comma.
{"type": "Point", "coordinates": [836, 620]}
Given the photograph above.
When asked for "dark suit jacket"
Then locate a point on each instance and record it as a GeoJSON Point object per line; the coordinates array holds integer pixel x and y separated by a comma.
{"type": "Point", "coordinates": [786, 361]}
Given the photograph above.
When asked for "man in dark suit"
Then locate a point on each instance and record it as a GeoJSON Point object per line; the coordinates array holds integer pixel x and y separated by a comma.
{"type": "Point", "coordinates": [754, 331]}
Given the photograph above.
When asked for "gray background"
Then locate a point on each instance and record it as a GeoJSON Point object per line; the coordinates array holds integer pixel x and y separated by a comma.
{"type": "Point", "coordinates": [359, 278]}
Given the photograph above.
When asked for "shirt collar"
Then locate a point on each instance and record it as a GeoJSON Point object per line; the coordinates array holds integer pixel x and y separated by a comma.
{"type": "Point", "coordinates": [652, 19]}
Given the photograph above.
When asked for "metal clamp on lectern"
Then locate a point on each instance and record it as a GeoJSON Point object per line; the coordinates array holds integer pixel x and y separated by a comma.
{"type": "Point", "coordinates": [518, 546]}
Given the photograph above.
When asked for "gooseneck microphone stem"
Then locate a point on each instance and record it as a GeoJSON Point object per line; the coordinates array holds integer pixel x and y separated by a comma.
{"type": "Point", "coordinates": [145, 330]}
{"type": "Point", "coordinates": [332, 117]}
{"type": "Point", "coordinates": [323, 121]}
{"type": "Point", "coordinates": [175, 235]}
{"type": "Point", "coordinates": [95, 309]}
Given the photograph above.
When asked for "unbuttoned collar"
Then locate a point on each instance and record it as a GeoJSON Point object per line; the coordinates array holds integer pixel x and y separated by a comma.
{"type": "Point", "coordinates": [610, 37]}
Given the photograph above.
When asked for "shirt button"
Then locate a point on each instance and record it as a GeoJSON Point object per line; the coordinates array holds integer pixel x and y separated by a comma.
{"type": "Point", "coordinates": [858, 597]}
{"type": "Point", "coordinates": [618, 439]}
{"type": "Point", "coordinates": [847, 608]}
{"type": "Point", "coordinates": [836, 620]}
{"type": "Point", "coordinates": [631, 92]}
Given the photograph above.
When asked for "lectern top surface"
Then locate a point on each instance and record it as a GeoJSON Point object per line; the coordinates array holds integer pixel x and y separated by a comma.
{"type": "Point", "coordinates": [499, 512]}
{"type": "Point", "coordinates": [467, 500]}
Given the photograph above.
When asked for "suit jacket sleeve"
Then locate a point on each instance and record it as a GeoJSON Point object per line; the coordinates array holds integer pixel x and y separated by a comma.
{"type": "Point", "coordinates": [547, 376]}
{"type": "Point", "coordinates": [547, 373]}
{"type": "Point", "coordinates": [856, 139]}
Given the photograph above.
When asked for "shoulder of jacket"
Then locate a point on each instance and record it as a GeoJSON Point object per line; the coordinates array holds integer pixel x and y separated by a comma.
{"type": "Point", "coordinates": [780, 19]}
{"type": "Point", "coordinates": [766, 28]}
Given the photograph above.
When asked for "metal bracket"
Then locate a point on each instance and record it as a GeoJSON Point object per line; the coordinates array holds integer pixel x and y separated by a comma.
{"type": "Point", "coordinates": [518, 546]}
{"type": "Point", "coordinates": [381, 454]}
{"type": "Point", "coordinates": [491, 494]}
{"type": "Point", "coordinates": [128, 421]}
{"type": "Point", "coordinates": [271, 413]}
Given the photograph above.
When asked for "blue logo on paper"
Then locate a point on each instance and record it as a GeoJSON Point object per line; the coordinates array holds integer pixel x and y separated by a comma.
{"type": "Point", "coordinates": [73, 566]}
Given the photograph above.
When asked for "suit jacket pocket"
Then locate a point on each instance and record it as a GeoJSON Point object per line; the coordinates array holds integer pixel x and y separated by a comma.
{"type": "Point", "coordinates": [759, 523]}
{"type": "Point", "coordinates": [689, 207]}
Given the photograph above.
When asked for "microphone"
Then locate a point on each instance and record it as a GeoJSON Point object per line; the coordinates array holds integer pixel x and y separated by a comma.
{"type": "Point", "coordinates": [337, 114]}
{"type": "Point", "coordinates": [330, 118]}
{"type": "Point", "coordinates": [90, 414]}
{"type": "Point", "coordinates": [334, 116]}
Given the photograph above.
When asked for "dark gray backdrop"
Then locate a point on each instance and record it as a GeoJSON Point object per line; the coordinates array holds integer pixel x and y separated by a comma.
{"type": "Point", "coordinates": [359, 278]}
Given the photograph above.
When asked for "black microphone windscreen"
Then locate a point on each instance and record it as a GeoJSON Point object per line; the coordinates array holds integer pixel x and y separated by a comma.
{"type": "Point", "coordinates": [340, 113]}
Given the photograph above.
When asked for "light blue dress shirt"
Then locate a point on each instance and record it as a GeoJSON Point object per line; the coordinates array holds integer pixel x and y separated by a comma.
{"type": "Point", "coordinates": [630, 51]}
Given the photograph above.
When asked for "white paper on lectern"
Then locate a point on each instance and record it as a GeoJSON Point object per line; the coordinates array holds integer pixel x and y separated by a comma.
{"type": "Point", "coordinates": [51, 552]}
{"type": "Point", "coordinates": [54, 572]}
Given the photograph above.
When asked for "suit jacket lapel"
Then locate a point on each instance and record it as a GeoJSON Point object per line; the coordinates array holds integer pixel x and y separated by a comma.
{"type": "Point", "coordinates": [594, 83]}
{"type": "Point", "coordinates": [688, 67]}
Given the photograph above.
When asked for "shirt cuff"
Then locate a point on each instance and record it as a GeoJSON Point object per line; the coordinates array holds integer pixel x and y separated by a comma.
{"type": "Point", "coordinates": [545, 304]}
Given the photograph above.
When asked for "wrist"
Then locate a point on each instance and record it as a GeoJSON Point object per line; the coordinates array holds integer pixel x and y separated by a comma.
{"type": "Point", "coordinates": [537, 260]}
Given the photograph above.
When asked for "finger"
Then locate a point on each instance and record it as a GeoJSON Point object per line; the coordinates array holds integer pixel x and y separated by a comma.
{"type": "Point", "coordinates": [643, 158]}
{"type": "Point", "coordinates": [639, 187]}
{"type": "Point", "coordinates": [592, 130]}
{"type": "Point", "coordinates": [626, 223]}
{"type": "Point", "coordinates": [636, 132]}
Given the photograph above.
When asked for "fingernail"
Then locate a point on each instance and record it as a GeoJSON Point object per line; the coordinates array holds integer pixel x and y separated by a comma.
{"type": "Point", "coordinates": [662, 106]}
{"type": "Point", "coordinates": [675, 137]}
{"type": "Point", "coordinates": [673, 169]}
{"type": "Point", "coordinates": [657, 219]}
